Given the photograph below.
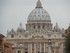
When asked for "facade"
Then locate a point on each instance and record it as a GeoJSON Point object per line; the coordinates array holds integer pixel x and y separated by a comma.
{"type": "Point", "coordinates": [39, 37]}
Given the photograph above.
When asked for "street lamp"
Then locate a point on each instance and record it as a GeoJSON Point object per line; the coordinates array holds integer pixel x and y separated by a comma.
{"type": "Point", "coordinates": [49, 41]}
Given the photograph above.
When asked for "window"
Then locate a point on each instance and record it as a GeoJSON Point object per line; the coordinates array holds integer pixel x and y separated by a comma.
{"type": "Point", "coordinates": [19, 51]}
{"type": "Point", "coordinates": [34, 27]}
{"type": "Point", "coordinates": [46, 15]}
{"type": "Point", "coordinates": [26, 52]}
{"type": "Point", "coordinates": [38, 51]}
{"type": "Point", "coordinates": [0, 42]}
{"type": "Point", "coordinates": [43, 27]}
{"type": "Point", "coordinates": [38, 15]}
{"type": "Point", "coordinates": [20, 31]}
{"type": "Point", "coordinates": [0, 46]}
{"type": "Point", "coordinates": [42, 11]}
{"type": "Point", "coordinates": [38, 11]}
{"type": "Point", "coordinates": [42, 15]}
{"type": "Point", "coordinates": [35, 11]}
{"type": "Point", "coordinates": [63, 35]}
{"type": "Point", "coordinates": [53, 51]}
{"type": "Point", "coordinates": [34, 15]}
{"type": "Point", "coordinates": [55, 35]}
{"type": "Point", "coordinates": [12, 36]}
{"type": "Point", "coordinates": [19, 36]}
{"type": "Point", "coordinates": [38, 27]}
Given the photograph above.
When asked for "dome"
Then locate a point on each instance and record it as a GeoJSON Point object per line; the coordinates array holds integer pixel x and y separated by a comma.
{"type": "Point", "coordinates": [20, 28]}
{"type": "Point", "coordinates": [56, 28]}
{"type": "Point", "coordinates": [39, 13]}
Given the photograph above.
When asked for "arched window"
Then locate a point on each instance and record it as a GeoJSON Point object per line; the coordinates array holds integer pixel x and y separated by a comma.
{"type": "Point", "coordinates": [38, 15]}
{"type": "Point", "coordinates": [38, 27]}
{"type": "Point", "coordinates": [34, 27]}
{"type": "Point", "coordinates": [34, 15]}
{"type": "Point", "coordinates": [12, 36]}
{"type": "Point", "coordinates": [55, 35]}
{"type": "Point", "coordinates": [43, 27]}
{"type": "Point", "coordinates": [35, 11]}
{"type": "Point", "coordinates": [20, 31]}
{"type": "Point", "coordinates": [42, 15]}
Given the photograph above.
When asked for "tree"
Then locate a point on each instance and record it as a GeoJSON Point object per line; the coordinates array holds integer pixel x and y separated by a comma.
{"type": "Point", "coordinates": [67, 42]}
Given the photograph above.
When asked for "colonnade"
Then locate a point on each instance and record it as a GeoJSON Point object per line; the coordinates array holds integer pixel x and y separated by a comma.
{"type": "Point", "coordinates": [37, 48]}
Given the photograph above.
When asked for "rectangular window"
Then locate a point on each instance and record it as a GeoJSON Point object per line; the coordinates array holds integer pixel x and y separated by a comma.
{"type": "Point", "coordinates": [12, 36]}
{"type": "Point", "coordinates": [0, 42]}
{"type": "Point", "coordinates": [19, 51]}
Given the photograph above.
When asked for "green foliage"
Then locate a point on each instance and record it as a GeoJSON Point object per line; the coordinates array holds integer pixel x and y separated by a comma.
{"type": "Point", "coordinates": [67, 42]}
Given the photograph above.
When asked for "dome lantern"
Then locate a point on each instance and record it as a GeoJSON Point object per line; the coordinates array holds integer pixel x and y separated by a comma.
{"type": "Point", "coordinates": [38, 5]}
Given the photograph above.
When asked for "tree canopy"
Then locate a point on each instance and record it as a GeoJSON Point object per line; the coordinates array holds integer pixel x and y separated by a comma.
{"type": "Point", "coordinates": [67, 42]}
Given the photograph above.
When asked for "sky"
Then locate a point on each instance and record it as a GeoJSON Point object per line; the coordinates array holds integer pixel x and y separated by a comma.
{"type": "Point", "coordinates": [14, 12]}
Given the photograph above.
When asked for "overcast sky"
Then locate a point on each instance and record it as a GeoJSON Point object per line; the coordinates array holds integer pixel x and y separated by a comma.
{"type": "Point", "coordinates": [12, 12]}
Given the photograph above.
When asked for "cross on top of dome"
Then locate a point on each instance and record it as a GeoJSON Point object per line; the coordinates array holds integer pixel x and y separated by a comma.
{"type": "Point", "coordinates": [38, 5]}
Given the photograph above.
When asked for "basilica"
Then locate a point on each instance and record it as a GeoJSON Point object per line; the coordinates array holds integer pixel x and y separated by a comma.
{"type": "Point", "coordinates": [39, 36]}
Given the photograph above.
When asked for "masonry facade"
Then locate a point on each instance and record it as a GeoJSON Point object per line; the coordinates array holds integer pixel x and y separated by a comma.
{"type": "Point", "coordinates": [39, 37]}
{"type": "Point", "coordinates": [1, 43]}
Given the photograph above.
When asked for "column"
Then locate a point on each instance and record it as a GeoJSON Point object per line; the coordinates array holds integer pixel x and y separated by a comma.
{"type": "Point", "coordinates": [37, 47]}
{"type": "Point", "coordinates": [29, 48]}
{"type": "Point", "coordinates": [61, 48]}
{"type": "Point", "coordinates": [23, 50]}
{"type": "Point", "coordinates": [55, 50]}
{"type": "Point", "coordinates": [40, 47]}
{"type": "Point", "coordinates": [44, 47]}
{"type": "Point", "coordinates": [46, 50]}
{"type": "Point", "coordinates": [34, 48]}
{"type": "Point", "coordinates": [15, 50]}
{"type": "Point", "coordinates": [49, 49]}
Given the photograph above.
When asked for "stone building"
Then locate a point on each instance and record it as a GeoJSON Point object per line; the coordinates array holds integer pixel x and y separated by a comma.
{"type": "Point", "coordinates": [39, 37]}
{"type": "Point", "coordinates": [5, 47]}
{"type": "Point", "coordinates": [1, 43]}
